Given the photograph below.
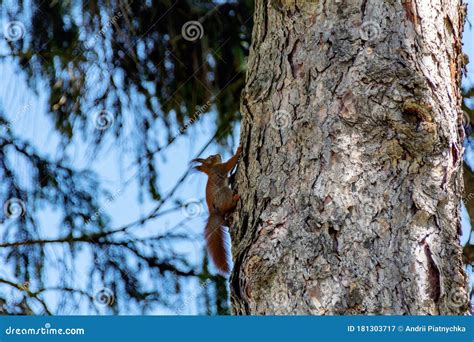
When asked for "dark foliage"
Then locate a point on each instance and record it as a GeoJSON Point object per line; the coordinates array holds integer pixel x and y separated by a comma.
{"type": "Point", "coordinates": [133, 63]}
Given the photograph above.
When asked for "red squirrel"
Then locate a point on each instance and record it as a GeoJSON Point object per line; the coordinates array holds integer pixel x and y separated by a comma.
{"type": "Point", "coordinates": [221, 201]}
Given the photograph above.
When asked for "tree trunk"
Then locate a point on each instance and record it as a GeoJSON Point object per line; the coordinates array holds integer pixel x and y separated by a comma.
{"type": "Point", "coordinates": [350, 180]}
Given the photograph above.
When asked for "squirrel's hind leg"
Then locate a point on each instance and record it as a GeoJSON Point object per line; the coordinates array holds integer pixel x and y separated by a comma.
{"type": "Point", "coordinates": [229, 202]}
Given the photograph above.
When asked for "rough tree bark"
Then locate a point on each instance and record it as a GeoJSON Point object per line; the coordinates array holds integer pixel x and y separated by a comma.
{"type": "Point", "coordinates": [350, 180]}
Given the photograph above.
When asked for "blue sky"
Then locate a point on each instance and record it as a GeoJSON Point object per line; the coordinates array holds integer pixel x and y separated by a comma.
{"type": "Point", "coordinates": [27, 112]}
{"type": "Point", "coordinates": [114, 170]}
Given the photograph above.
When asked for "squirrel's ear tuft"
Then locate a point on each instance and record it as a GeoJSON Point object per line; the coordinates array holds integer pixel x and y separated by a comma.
{"type": "Point", "coordinates": [199, 160]}
{"type": "Point", "coordinates": [201, 168]}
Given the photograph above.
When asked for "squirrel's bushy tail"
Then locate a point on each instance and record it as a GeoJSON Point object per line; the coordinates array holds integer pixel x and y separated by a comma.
{"type": "Point", "coordinates": [217, 241]}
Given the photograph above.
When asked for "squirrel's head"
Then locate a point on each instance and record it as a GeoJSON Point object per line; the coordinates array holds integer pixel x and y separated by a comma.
{"type": "Point", "coordinates": [208, 163]}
